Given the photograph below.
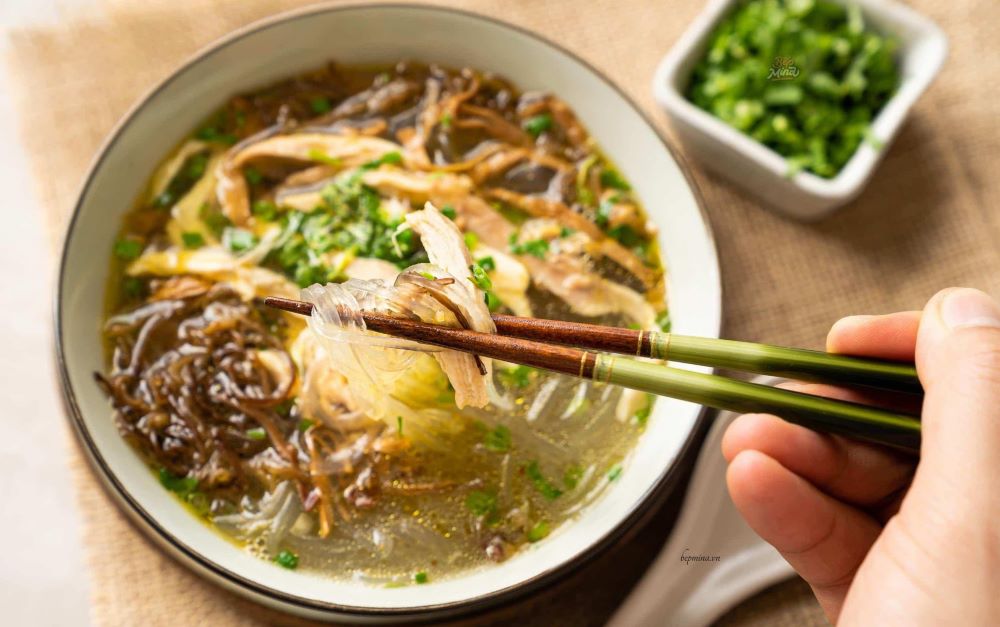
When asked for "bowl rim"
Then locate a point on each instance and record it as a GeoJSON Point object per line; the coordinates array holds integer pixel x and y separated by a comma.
{"type": "Point", "coordinates": [640, 511]}
{"type": "Point", "coordinates": [854, 174]}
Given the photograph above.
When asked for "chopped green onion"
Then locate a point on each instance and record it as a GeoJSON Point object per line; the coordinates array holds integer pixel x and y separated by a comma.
{"type": "Point", "coordinates": [479, 277]}
{"type": "Point", "coordinates": [498, 440]}
{"type": "Point", "coordinates": [449, 212]}
{"type": "Point", "coordinates": [178, 485]}
{"type": "Point", "coordinates": [566, 231]}
{"type": "Point", "coordinates": [305, 424]}
{"type": "Point", "coordinates": [487, 263]}
{"type": "Point", "coordinates": [535, 248]}
{"type": "Point", "coordinates": [192, 239]}
{"type": "Point", "coordinates": [128, 249]}
{"type": "Point", "coordinates": [538, 124]}
{"type": "Point", "coordinates": [320, 105]}
{"type": "Point", "coordinates": [493, 302]}
{"type": "Point", "coordinates": [399, 426]}
{"type": "Point", "coordinates": [471, 239]}
{"type": "Point", "coordinates": [446, 121]}
{"type": "Point", "coordinates": [420, 577]}
{"type": "Point", "coordinates": [539, 531]}
{"type": "Point", "coordinates": [543, 485]}
{"type": "Point", "coordinates": [252, 175]}
{"type": "Point", "coordinates": [519, 376]}
{"type": "Point", "coordinates": [428, 276]}
{"type": "Point", "coordinates": [615, 472]}
{"type": "Point", "coordinates": [319, 156]}
{"type": "Point", "coordinates": [611, 178]}
{"type": "Point", "coordinates": [265, 210]}
{"type": "Point", "coordinates": [572, 476]}
{"type": "Point", "coordinates": [481, 502]}
{"type": "Point", "coordinates": [133, 287]}
{"type": "Point", "coordinates": [238, 240]}
{"type": "Point", "coordinates": [663, 321]}
{"type": "Point", "coordinates": [287, 559]}
{"type": "Point", "coordinates": [641, 416]}
{"type": "Point", "coordinates": [389, 158]}
{"type": "Point", "coordinates": [257, 433]}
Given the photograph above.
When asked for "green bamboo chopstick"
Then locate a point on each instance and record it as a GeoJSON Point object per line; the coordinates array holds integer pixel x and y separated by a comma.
{"type": "Point", "coordinates": [792, 363]}
{"type": "Point", "coordinates": [840, 417]}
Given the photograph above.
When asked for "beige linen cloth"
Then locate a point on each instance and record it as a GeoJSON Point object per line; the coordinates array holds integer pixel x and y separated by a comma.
{"type": "Point", "coordinates": [929, 219]}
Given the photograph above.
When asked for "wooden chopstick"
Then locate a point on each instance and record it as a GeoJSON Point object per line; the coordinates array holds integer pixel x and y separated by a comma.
{"type": "Point", "coordinates": [849, 419]}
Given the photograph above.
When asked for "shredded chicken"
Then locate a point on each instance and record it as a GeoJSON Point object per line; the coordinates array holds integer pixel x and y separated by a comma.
{"type": "Point", "coordinates": [446, 248]}
{"type": "Point", "coordinates": [346, 150]}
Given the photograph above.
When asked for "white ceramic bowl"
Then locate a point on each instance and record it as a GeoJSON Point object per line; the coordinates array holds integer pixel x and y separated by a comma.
{"type": "Point", "coordinates": [762, 171]}
{"type": "Point", "coordinates": [280, 47]}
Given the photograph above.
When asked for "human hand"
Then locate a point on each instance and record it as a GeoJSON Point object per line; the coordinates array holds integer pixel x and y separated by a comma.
{"type": "Point", "coordinates": [880, 538]}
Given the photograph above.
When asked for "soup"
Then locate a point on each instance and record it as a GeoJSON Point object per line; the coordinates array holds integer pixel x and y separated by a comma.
{"type": "Point", "coordinates": [431, 193]}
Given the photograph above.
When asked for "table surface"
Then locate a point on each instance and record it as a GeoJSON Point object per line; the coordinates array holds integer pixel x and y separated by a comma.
{"type": "Point", "coordinates": [42, 577]}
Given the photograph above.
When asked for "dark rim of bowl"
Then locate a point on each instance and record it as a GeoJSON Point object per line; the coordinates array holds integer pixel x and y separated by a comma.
{"type": "Point", "coordinates": [254, 590]}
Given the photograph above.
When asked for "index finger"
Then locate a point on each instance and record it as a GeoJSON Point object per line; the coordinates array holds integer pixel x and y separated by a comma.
{"type": "Point", "coordinates": [892, 336]}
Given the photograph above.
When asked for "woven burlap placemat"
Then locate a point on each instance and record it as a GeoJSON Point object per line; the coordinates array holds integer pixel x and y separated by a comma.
{"type": "Point", "coordinates": [929, 219]}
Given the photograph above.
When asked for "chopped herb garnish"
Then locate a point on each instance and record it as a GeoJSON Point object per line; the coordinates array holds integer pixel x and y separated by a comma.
{"type": "Point", "coordinates": [128, 249]}
{"type": "Point", "coordinates": [320, 105]}
{"type": "Point", "coordinates": [611, 178]}
{"type": "Point", "coordinates": [427, 275]}
{"type": "Point", "coordinates": [287, 559]}
{"type": "Point", "coordinates": [487, 263]}
{"type": "Point", "coordinates": [566, 231]}
{"type": "Point", "coordinates": [304, 424]}
{"type": "Point", "coordinates": [471, 239]}
{"type": "Point", "coordinates": [257, 433]}
{"type": "Point", "coordinates": [238, 240]}
{"type": "Point", "coordinates": [213, 218]}
{"type": "Point", "coordinates": [192, 239]}
{"type": "Point", "coordinates": [518, 376]}
{"type": "Point", "coordinates": [178, 485]}
{"type": "Point", "coordinates": [804, 78]}
{"type": "Point", "coordinates": [498, 440]}
{"type": "Point", "coordinates": [641, 416]}
{"type": "Point", "coordinates": [493, 302]}
{"type": "Point", "coordinates": [399, 426]}
{"type": "Point", "coordinates": [481, 502]}
{"type": "Point", "coordinates": [479, 277]}
{"type": "Point", "coordinates": [446, 121]}
{"type": "Point", "coordinates": [615, 472]}
{"type": "Point", "coordinates": [543, 485]}
{"type": "Point", "coordinates": [663, 321]}
{"type": "Point", "coordinates": [535, 248]}
{"type": "Point", "coordinates": [214, 135]}
{"type": "Point", "coordinates": [319, 156]}
{"type": "Point", "coordinates": [539, 531]}
{"type": "Point", "coordinates": [133, 287]}
{"type": "Point", "coordinates": [389, 158]}
{"type": "Point", "coordinates": [603, 215]}
{"type": "Point", "coordinates": [538, 124]}
{"type": "Point", "coordinates": [572, 476]}
{"type": "Point", "coordinates": [449, 212]}
{"type": "Point", "coordinates": [420, 577]}
{"type": "Point", "coordinates": [252, 175]}
{"type": "Point", "coordinates": [265, 210]}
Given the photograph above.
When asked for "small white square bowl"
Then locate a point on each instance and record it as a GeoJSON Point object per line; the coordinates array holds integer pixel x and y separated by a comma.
{"type": "Point", "coordinates": [762, 171]}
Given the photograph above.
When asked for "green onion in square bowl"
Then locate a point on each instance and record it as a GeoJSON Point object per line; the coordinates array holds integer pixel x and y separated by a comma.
{"type": "Point", "coordinates": [819, 170]}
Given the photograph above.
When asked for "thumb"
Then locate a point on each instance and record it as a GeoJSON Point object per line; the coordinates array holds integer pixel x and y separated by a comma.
{"type": "Point", "coordinates": [958, 358]}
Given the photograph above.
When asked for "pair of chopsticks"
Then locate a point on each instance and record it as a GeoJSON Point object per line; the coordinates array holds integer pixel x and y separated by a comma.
{"type": "Point", "coordinates": [559, 346]}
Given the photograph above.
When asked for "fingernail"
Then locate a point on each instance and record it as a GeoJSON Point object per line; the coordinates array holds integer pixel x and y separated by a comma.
{"type": "Point", "coordinates": [967, 307]}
